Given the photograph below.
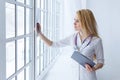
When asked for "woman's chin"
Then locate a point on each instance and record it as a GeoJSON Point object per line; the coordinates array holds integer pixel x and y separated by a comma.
{"type": "Point", "coordinates": [76, 29]}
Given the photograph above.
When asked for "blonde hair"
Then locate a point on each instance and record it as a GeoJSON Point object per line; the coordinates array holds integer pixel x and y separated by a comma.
{"type": "Point", "coordinates": [88, 21]}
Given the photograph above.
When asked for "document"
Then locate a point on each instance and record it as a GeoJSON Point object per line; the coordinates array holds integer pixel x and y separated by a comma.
{"type": "Point", "coordinates": [82, 59]}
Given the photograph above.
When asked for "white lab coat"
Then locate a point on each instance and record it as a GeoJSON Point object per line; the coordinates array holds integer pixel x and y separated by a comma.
{"type": "Point", "coordinates": [95, 47]}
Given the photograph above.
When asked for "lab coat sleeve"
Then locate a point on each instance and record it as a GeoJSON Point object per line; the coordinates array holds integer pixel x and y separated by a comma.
{"type": "Point", "coordinates": [99, 51]}
{"type": "Point", "coordinates": [64, 42]}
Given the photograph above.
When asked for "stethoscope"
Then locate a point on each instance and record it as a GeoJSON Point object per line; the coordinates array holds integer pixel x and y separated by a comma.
{"type": "Point", "coordinates": [75, 42]}
{"type": "Point", "coordinates": [78, 48]}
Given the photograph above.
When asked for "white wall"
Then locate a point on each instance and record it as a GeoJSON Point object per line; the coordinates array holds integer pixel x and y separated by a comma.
{"type": "Point", "coordinates": [70, 8]}
{"type": "Point", "coordinates": [107, 13]}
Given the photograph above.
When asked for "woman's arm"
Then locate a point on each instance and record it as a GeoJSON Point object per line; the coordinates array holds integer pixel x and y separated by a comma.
{"type": "Point", "coordinates": [98, 66]}
{"type": "Point", "coordinates": [44, 38]}
{"type": "Point", "coordinates": [99, 56]}
{"type": "Point", "coordinates": [62, 43]}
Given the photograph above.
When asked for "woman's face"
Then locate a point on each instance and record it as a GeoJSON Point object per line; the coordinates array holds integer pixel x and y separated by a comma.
{"type": "Point", "coordinates": [77, 23]}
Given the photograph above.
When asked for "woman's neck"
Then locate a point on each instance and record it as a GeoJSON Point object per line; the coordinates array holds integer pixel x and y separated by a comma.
{"type": "Point", "coordinates": [83, 36]}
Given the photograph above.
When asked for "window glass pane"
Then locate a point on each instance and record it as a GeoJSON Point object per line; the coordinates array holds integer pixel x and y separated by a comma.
{"type": "Point", "coordinates": [42, 4]}
{"type": "Point", "coordinates": [41, 56]}
{"type": "Point", "coordinates": [28, 73]}
{"type": "Point", "coordinates": [49, 5]}
{"type": "Point", "coordinates": [41, 63]}
{"type": "Point", "coordinates": [38, 46]}
{"type": "Point", "coordinates": [28, 2]}
{"type": "Point", "coordinates": [37, 3]}
{"type": "Point", "coordinates": [10, 20]}
{"type": "Point", "coordinates": [20, 76]}
{"type": "Point", "coordinates": [37, 66]}
{"type": "Point", "coordinates": [22, 1]}
{"type": "Point", "coordinates": [51, 9]}
{"type": "Point", "coordinates": [27, 50]}
{"type": "Point", "coordinates": [50, 55]}
{"type": "Point", "coordinates": [10, 58]}
{"type": "Point", "coordinates": [42, 17]}
{"type": "Point", "coordinates": [13, 79]}
{"type": "Point", "coordinates": [20, 20]}
{"type": "Point", "coordinates": [20, 53]}
{"type": "Point", "coordinates": [28, 19]}
{"type": "Point", "coordinates": [42, 47]}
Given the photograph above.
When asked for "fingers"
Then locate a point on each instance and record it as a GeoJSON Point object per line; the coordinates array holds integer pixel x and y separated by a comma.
{"type": "Point", "coordinates": [38, 28]}
{"type": "Point", "coordinates": [38, 25]}
{"type": "Point", "coordinates": [88, 68]}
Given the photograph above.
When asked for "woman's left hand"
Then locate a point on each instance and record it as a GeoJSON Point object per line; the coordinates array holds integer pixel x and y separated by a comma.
{"type": "Point", "coordinates": [89, 68]}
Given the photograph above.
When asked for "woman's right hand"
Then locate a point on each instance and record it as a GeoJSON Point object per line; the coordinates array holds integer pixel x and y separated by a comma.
{"type": "Point", "coordinates": [38, 28]}
{"type": "Point", "coordinates": [44, 38]}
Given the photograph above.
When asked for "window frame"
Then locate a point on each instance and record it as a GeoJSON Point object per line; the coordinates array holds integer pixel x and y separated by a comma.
{"type": "Point", "coordinates": [24, 36]}
{"type": "Point", "coordinates": [49, 23]}
{"type": "Point", "coordinates": [2, 42]}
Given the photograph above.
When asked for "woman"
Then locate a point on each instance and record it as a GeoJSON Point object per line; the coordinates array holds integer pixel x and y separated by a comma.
{"type": "Point", "coordinates": [86, 40]}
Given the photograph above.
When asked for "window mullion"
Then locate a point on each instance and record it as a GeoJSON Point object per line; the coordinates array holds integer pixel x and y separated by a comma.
{"type": "Point", "coordinates": [15, 40]}
{"type": "Point", "coordinates": [2, 41]}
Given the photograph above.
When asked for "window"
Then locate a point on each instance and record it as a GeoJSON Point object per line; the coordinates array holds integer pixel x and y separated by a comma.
{"type": "Point", "coordinates": [24, 55]}
{"type": "Point", "coordinates": [47, 15]}
{"type": "Point", "coordinates": [19, 39]}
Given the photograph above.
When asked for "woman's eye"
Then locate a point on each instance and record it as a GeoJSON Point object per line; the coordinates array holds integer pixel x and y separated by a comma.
{"type": "Point", "coordinates": [77, 21]}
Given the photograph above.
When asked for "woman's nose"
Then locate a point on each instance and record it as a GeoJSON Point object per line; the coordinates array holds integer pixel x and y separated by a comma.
{"type": "Point", "coordinates": [74, 23]}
